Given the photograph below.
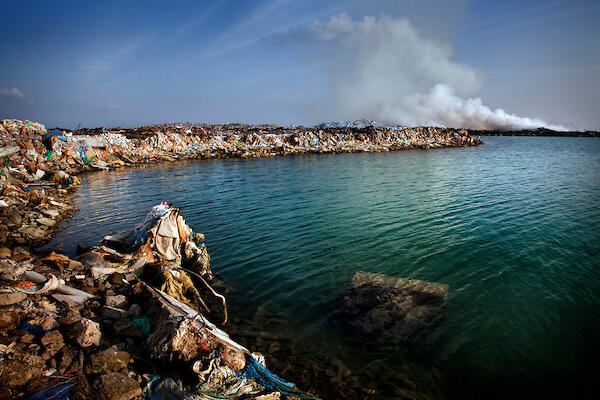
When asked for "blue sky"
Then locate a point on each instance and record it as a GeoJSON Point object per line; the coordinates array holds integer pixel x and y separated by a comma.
{"type": "Point", "coordinates": [129, 63]}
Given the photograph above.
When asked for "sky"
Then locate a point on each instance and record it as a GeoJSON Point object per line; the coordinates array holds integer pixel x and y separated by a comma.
{"type": "Point", "coordinates": [479, 64]}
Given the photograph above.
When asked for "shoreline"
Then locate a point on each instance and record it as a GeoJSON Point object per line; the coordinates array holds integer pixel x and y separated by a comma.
{"type": "Point", "coordinates": [38, 185]}
{"type": "Point", "coordinates": [48, 163]}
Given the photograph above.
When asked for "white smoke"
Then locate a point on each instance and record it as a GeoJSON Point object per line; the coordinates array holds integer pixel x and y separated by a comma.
{"type": "Point", "coordinates": [383, 70]}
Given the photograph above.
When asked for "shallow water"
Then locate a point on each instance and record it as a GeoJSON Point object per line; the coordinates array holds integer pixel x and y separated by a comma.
{"type": "Point", "coordinates": [511, 226]}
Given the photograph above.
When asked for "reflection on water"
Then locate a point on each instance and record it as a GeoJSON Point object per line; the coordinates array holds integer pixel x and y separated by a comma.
{"type": "Point", "coordinates": [511, 226]}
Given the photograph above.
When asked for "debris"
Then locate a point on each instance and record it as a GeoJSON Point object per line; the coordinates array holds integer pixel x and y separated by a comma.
{"type": "Point", "coordinates": [109, 360]}
{"type": "Point", "coordinates": [7, 151]}
{"type": "Point", "coordinates": [11, 297]}
{"type": "Point", "coordinates": [86, 333]}
{"type": "Point", "coordinates": [116, 386]}
{"type": "Point", "coordinates": [39, 325]}
{"type": "Point", "coordinates": [119, 301]}
{"type": "Point", "coordinates": [18, 369]}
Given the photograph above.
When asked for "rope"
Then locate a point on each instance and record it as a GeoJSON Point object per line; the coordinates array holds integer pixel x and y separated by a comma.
{"type": "Point", "coordinates": [264, 377]}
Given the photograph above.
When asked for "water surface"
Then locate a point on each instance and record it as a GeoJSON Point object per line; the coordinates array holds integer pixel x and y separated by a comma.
{"type": "Point", "coordinates": [511, 226]}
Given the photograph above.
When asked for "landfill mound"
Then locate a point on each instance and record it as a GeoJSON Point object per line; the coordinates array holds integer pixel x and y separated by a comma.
{"type": "Point", "coordinates": [39, 168]}
{"type": "Point", "coordinates": [128, 318]}
{"type": "Point", "coordinates": [394, 308]}
{"type": "Point", "coordinates": [359, 124]}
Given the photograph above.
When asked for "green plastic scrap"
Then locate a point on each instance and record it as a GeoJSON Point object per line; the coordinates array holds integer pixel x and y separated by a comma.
{"type": "Point", "coordinates": [142, 323]}
{"type": "Point", "coordinates": [6, 161]}
{"type": "Point", "coordinates": [48, 154]}
{"type": "Point", "coordinates": [28, 123]}
{"type": "Point", "coordinates": [90, 160]}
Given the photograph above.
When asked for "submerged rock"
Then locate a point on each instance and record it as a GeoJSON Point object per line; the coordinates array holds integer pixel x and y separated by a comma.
{"type": "Point", "coordinates": [398, 308]}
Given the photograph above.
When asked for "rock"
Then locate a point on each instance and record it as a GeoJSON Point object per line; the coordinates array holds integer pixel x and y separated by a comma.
{"type": "Point", "coordinates": [39, 174]}
{"type": "Point", "coordinates": [92, 260]}
{"type": "Point", "coordinates": [119, 301]}
{"type": "Point", "coordinates": [19, 254]}
{"type": "Point", "coordinates": [86, 333]}
{"type": "Point", "coordinates": [116, 386]}
{"type": "Point", "coordinates": [51, 212]}
{"type": "Point", "coordinates": [9, 298]}
{"type": "Point", "coordinates": [27, 338]}
{"type": "Point", "coordinates": [52, 337]}
{"type": "Point", "coordinates": [109, 360]}
{"type": "Point", "coordinates": [9, 320]}
{"type": "Point", "coordinates": [53, 342]}
{"type": "Point", "coordinates": [5, 252]}
{"type": "Point", "coordinates": [46, 322]}
{"type": "Point", "coordinates": [11, 270]}
{"type": "Point", "coordinates": [18, 369]}
{"type": "Point", "coordinates": [114, 313]}
{"type": "Point", "coordinates": [398, 308]}
{"type": "Point", "coordinates": [34, 233]}
{"type": "Point", "coordinates": [46, 221]}
{"type": "Point", "coordinates": [14, 219]}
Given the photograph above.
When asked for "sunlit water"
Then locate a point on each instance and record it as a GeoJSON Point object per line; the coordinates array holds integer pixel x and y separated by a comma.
{"type": "Point", "coordinates": [512, 226]}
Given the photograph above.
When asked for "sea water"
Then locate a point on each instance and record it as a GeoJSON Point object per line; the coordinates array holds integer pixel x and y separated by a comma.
{"type": "Point", "coordinates": [512, 226]}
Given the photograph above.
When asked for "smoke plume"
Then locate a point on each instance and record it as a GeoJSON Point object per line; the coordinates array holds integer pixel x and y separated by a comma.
{"type": "Point", "coordinates": [383, 70]}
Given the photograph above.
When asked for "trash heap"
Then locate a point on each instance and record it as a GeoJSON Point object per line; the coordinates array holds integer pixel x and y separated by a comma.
{"type": "Point", "coordinates": [130, 318]}
{"type": "Point", "coordinates": [39, 168]}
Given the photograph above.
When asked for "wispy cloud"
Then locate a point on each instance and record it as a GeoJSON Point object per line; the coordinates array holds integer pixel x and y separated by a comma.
{"type": "Point", "coordinates": [106, 107]}
{"type": "Point", "coordinates": [192, 22]}
{"type": "Point", "coordinates": [11, 92]}
{"type": "Point", "coordinates": [259, 26]}
{"type": "Point", "coordinates": [99, 65]}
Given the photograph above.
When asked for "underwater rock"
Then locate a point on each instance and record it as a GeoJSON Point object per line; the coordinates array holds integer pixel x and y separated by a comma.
{"type": "Point", "coordinates": [398, 308]}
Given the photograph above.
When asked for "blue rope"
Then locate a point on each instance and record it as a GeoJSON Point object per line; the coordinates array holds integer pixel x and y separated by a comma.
{"type": "Point", "coordinates": [264, 377]}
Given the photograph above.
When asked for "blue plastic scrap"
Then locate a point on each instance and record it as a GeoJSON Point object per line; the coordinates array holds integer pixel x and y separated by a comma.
{"type": "Point", "coordinates": [36, 329]}
{"type": "Point", "coordinates": [60, 392]}
{"type": "Point", "coordinates": [82, 153]}
{"type": "Point", "coordinates": [55, 132]}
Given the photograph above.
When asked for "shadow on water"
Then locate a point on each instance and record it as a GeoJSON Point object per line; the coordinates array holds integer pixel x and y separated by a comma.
{"type": "Point", "coordinates": [510, 226]}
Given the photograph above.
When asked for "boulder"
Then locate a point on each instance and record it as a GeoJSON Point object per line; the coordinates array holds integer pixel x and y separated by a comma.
{"type": "Point", "coordinates": [86, 332]}
{"type": "Point", "coordinates": [118, 301]}
{"type": "Point", "coordinates": [109, 360]}
{"type": "Point", "coordinates": [18, 369]}
{"type": "Point", "coordinates": [9, 298]}
{"type": "Point", "coordinates": [116, 386]}
{"type": "Point", "coordinates": [398, 308]}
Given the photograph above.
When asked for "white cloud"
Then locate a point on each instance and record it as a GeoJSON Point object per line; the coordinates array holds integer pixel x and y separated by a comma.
{"type": "Point", "coordinates": [12, 92]}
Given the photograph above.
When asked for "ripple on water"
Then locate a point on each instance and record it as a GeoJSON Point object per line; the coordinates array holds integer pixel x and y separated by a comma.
{"type": "Point", "coordinates": [511, 226]}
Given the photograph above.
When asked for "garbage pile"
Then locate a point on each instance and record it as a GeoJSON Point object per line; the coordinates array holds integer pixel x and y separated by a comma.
{"type": "Point", "coordinates": [128, 318]}
{"type": "Point", "coordinates": [359, 123]}
{"type": "Point", "coordinates": [39, 168]}
{"type": "Point", "coordinates": [394, 308]}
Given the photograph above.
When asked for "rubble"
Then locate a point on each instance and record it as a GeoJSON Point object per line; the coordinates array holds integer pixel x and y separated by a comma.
{"type": "Point", "coordinates": [140, 328]}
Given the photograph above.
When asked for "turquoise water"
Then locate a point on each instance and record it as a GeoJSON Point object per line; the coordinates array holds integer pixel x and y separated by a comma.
{"type": "Point", "coordinates": [512, 226]}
